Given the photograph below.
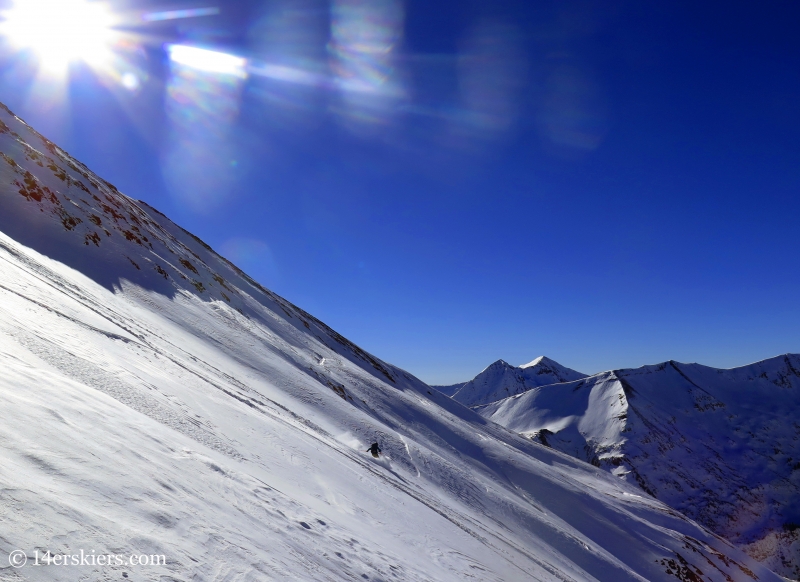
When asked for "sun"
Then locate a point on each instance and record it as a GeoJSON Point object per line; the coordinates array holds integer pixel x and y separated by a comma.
{"type": "Point", "coordinates": [60, 32]}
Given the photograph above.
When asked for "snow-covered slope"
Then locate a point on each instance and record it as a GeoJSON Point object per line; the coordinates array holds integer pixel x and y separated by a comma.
{"type": "Point", "coordinates": [450, 389]}
{"type": "Point", "coordinates": [720, 446]}
{"type": "Point", "coordinates": [501, 380]}
{"type": "Point", "coordinates": [157, 401]}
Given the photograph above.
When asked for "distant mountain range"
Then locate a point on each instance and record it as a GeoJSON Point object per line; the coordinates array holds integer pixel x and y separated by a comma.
{"type": "Point", "coordinates": [720, 446]}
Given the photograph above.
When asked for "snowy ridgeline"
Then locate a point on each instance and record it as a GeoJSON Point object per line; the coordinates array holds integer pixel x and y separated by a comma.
{"type": "Point", "coordinates": [720, 446]}
{"type": "Point", "coordinates": [157, 401]}
{"type": "Point", "coordinates": [502, 380]}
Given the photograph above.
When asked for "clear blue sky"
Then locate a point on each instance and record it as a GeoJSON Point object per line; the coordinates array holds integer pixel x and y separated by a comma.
{"type": "Point", "coordinates": [447, 183]}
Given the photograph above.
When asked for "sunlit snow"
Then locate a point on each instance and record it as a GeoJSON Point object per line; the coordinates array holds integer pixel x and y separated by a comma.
{"type": "Point", "coordinates": [158, 401]}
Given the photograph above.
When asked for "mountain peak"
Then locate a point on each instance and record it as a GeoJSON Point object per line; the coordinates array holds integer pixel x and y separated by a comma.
{"type": "Point", "coordinates": [537, 361]}
{"type": "Point", "coordinates": [497, 364]}
{"type": "Point", "coordinates": [544, 361]}
{"type": "Point", "coordinates": [501, 380]}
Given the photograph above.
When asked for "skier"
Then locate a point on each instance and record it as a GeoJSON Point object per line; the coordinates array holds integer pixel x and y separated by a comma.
{"type": "Point", "coordinates": [374, 449]}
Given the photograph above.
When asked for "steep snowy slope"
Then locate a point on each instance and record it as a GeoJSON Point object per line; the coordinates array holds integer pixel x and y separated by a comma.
{"type": "Point", "coordinates": [721, 446]}
{"type": "Point", "coordinates": [156, 401]}
{"type": "Point", "coordinates": [450, 389]}
{"type": "Point", "coordinates": [501, 380]}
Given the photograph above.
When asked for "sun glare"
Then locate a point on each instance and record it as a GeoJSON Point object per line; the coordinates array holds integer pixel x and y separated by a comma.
{"type": "Point", "coordinates": [209, 61]}
{"type": "Point", "coordinates": [60, 32]}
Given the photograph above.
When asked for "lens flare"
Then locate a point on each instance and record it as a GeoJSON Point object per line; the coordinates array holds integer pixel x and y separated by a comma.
{"type": "Point", "coordinates": [60, 32]}
{"type": "Point", "coordinates": [365, 37]}
{"type": "Point", "coordinates": [130, 81]}
{"type": "Point", "coordinates": [573, 118]}
{"type": "Point", "coordinates": [203, 101]}
{"type": "Point", "coordinates": [491, 69]}
{"type": "Point", "coordinates": [208, 61]}
{"type": "Point", "coordinates": [180, 14]}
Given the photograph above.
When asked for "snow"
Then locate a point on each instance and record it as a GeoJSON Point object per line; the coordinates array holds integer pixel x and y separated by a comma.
{"type": "Point", "coordinates": [450, 389]}
{"type": "Point", "coordinates": [156, 400]}
{"type": "Point", "coordinates": [501, 380]}
{"type": "Point", "coordinates": [720, 446]}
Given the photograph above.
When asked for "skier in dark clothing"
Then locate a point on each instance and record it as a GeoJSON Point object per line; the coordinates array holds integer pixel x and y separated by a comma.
{"type": "Point", "coordinates": [374, 449]}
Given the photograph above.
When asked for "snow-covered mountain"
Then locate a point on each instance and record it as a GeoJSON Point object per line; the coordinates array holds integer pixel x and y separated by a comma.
{"type": "Point", "coordinates": [157, 401]}
{"type": "Point", "coordinates": [720, 446]}
{"type": "Point", "coordinates": [501, 380]}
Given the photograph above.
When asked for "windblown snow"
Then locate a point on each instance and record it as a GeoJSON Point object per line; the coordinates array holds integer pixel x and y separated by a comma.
{"type": "Point", "coordinates": [157, 401]}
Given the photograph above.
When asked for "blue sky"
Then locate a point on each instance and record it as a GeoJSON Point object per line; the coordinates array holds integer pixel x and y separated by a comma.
{"type": "Point", "coordinates": [448, 183]}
